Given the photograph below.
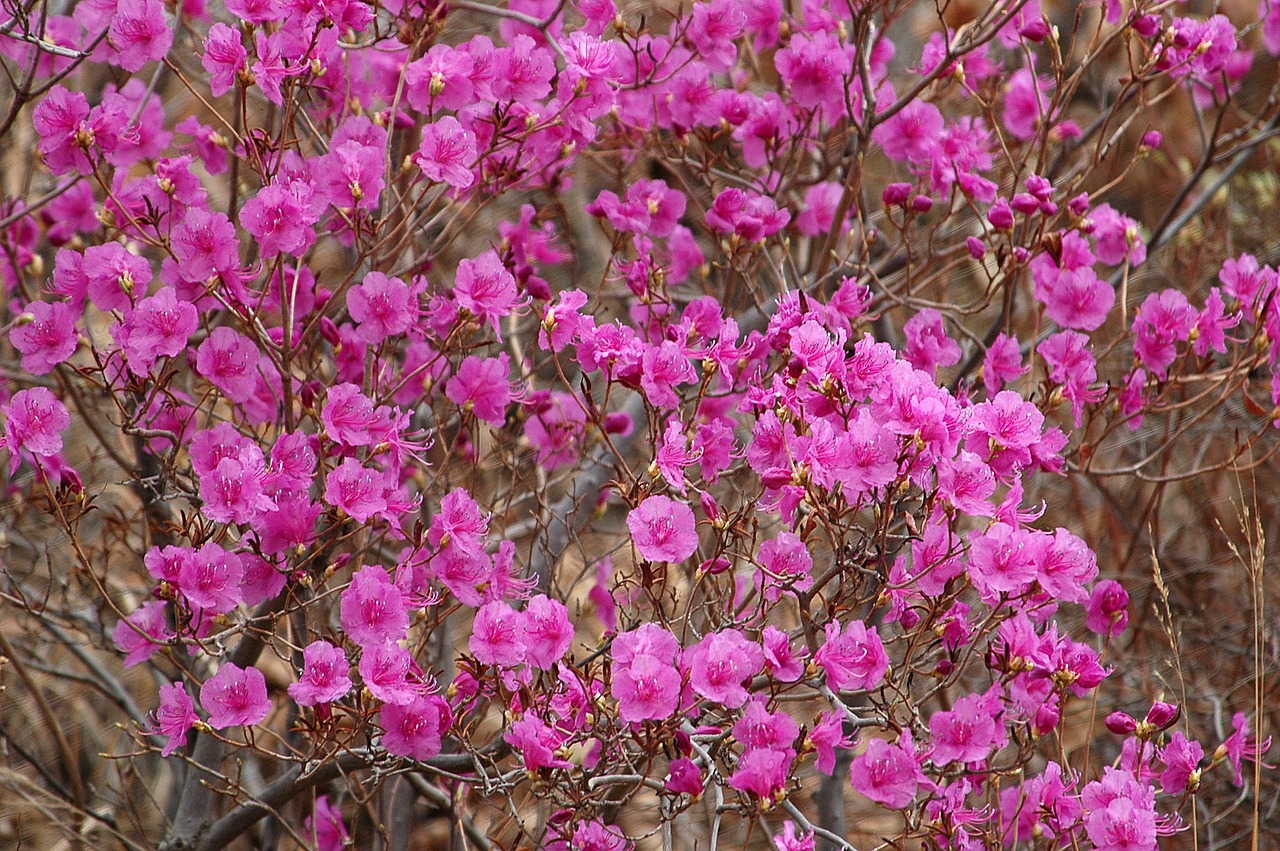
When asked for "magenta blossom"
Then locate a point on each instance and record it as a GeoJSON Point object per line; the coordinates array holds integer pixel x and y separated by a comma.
{"type": "Point", "coordinates": [175, 716]}
{"type": "Point", "coordinates": [235, 697]}
{"type": "Point", "coordinates": [663, 529]}
{"type": "Point", "coordinates": [324, 675]}
{"type": "Point", "coordinates": [722, 664]}
{"type": "Point", "coordinates": [853, 660]}
{"type": "Point", "coordinates": [34, 422]}
{"type": "Point", "coordinates": [888, 774]}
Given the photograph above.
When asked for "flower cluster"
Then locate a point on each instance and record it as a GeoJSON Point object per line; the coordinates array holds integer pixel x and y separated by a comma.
{"type": "Point", "coordinates": [544, 403]}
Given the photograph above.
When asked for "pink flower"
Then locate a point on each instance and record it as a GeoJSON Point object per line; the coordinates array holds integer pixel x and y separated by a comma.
{"type": "Point", "coordinates": [63, 131]}
{"type": "Point", "coordinates": [928, 346]}
{"type": "Point", "coordinates": [1043, 805]}
{"type": "Point", "coordinates": [663, 529]}
{"type": "Point", "coordinates": [970, 730]}
{"type": "Point", "coordinates": [269, 70]}
{"type": "Point", "coordinates": [1002, 560]}
{"type": "Point", "coordinates": [350, 175]}
{"type": "Point", "coordinates": [523, 71]}
{"type": "Point", "coordinates": [1026, 103]}
{"type": "Point", "coordinates": [159, 326]}
{"type": "Point", "coordinates": [854, 660]}
{"type": "Point", "coordinates": [1244, 279]}
{"type": "Point", "coordinates": [48, 339]}
{"type": "Point", "coordinates": [1119, 813]}
{"type": "Point", "coordinates": [142, 633]}
{"type": "Point", "coordinates": [1239, 746]}
{"type": "Point", "coordinates": [205, 244]}
{"type": "Point", "coordinates": [712, 29]}
{"type": "Point", "coordinates": [34, 422]}
{"type": "Point", "coordinates": [390, 674]}
{"type": "Point", "coordinates": [1164, 320]}
{"type": "Point", "coordinates": [1108, 608]}
{"type": "Point", "coordinates": [866, 457]}
{"type": "Point", "coordinates": [1002, 363]}
{"type": "Point", "coordinates": [139, 33]}
{"type": "Point", "coordinates": [788, 840]}
{"type": "Point", "coordinates": [229, 361]}
{"type": "Point", "coordinates": [763, 772]}
{"type": "Point", "coordinates": [912, 134]}
{"type": "Point", "coordinates": [651, 208]}
{"type": "Point", "coordinates": [413, 730]}
{"type": "Point", "coordinates": [348, 416]}
{"type": "Point", "coordinates": [560, 323]}
{"type": "Point", "coordinates": [256, 11]}
{"type": "Point", "coordinates": [821, 202]}
{"type": "Point", "coordinates": [115, 276]}
{"type": "Point", "coordinates": [646, 682]}
{"type": "Point", "coordinates": [746, 215]}
{"type": "Point", "coordinates": [325, 676]}
{"type": "Point", "coordinates": [816, 70]}
{"type": "Point", "coordinates": [224, 57]}
{"type": "Point", "coordinates": [280, 217]}
{"type": "Point", "coordinates": [779, 660]}
{"type": "Point", "coordinates": [235, 697]}
{"type": "Point", "coordinates": [485, 288]}
{"type": "Point", "coordinates": [175, 716]}
{"type": "Point", "coordinates": [210, 579]}
{"type": "Point", "coordinates": [760, 728]}
{"type": "Point", "coordinates": [357, 490]}
{"type": "Point", "coordinates": [888, 774]}
{"type": "Point", "coordinates": [1071, 364]}
{"type": "Point", "coordinates": [325, 826]}
{"type": "Point", "coordinates": [291, 525]}
{"type": "Point", "coordinates": [785, 563]}
{"type": "Point", "coordinates": [497, 635]}
{"type": "Point", "coordinates": [537, 743]}
{"type": "Point", "coordinates": [826, 736]}
{"type": "Point", "coordinates": [482, 386]}
{"type": "Point", "coordinates": [373, 610]}
{"type": "Point", "coordinates": [233, 493]}
{"type": "Point", "coordinates": [722, 664]}
{"type": "Point", "coordinates": [684, 778]}
{"type": "Point", "coordinates": [1212, 324]}
{"type": "Point", "coordinates": [1116, 238]}
{"type": "Point", "coordinates": [547, 632]}
{"type": "Point", "coordinates": [447, 152]}
{"type": "Point", "coordinates": [1181, 757]}
{"type": "Point", "coordinates": [442, 79]}
{"type": "Point", "coordinates": [665, 367]}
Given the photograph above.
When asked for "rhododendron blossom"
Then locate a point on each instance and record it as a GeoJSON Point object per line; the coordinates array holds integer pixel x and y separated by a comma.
{"type": "Point", "coordinates": [588, 427]}
{"type": "Point", "coordinates": [663, 529]}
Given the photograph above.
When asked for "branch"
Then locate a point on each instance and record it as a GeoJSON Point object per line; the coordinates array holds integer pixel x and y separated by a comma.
{"type": "Point", "coordinates": [296, 781]}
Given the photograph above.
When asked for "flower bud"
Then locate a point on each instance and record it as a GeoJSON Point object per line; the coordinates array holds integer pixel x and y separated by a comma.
{"type": "Point", "coordinates": [1163, 715]}
{"type": "Point", "coordinates": [714, 567]}
{"type": "Point", "coordinates": [1035, 31]}
{"type": "Point", "coordinates": [1025, 203]}
{"type": "Point", "coordinates": [1121, 723]}
{"type": "Point", "coordinates": [976, 249]}
{"type": "Point", "coordinates": [709, 506]}
{"type": "Point", "coordinates": [1152, 139]}
{"type": "Point", "coordinates": [329, 331]}
{"type": "Point", "coordinates": [896, 194]}
{"type": "Point", "coordinates": [618, 422]}
{"type": "Point", "coordinates": [1000, 216]}
{"type": "Point", "coordinates": [922, 203]}
{"type": "Point", "coordinates": [1147, 25]}
{"type": "Point", "coordinates": [776, 477]}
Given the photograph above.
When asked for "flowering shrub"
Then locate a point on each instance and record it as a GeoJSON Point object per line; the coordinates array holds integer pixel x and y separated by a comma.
{"type": "Point", "coordinates": [577, 423]}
